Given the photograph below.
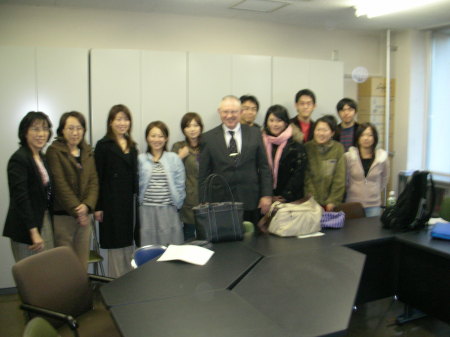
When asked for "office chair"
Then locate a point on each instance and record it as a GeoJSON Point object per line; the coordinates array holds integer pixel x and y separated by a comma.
{"type": "Point", "coordinates": [54, 284]}
{"type": "Point", "coordinates": [94, 254]}
{"type": "Point", "coordinates": [444, 212]}
{"type": "Point", "coordinates": [146, 253]}
{"type": "Point", "coordinates": [352, 210]}
{"type": "Point", "coordinates": [39, 327]}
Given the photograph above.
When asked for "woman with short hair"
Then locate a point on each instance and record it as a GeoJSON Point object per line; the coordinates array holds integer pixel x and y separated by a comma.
{"type": "Point", "coordinates": [325, 176]}
{"type": "Point", "coordinates": [189, 152]}
{"type": "Point", "coordinates": [28, 222]}
{"type": "Point", "coordinates": [161, 189]}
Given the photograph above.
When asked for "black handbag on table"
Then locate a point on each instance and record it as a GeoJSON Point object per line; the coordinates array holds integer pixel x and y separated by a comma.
{"type": "Point", "coordinates": [219, 221]}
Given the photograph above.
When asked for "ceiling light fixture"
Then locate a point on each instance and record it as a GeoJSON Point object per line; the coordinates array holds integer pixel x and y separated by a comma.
{"type": "Point", "coordinates": [265, 6]}
{"type": "Point", "coordinates": [371, 8]}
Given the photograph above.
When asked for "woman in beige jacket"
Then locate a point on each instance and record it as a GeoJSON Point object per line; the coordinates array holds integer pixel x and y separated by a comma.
{"type": "Point", "coordinates": [72, 164]}
{"type": "Point", "coordinates": [367, 170]}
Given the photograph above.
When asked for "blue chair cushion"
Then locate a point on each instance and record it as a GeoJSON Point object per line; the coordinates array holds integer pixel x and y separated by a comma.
{"type": "Point", "coordinates": [147, 253]}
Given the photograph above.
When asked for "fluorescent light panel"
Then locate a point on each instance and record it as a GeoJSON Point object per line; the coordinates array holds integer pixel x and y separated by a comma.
{"type": "Point", "coordinates": [265, 6]}
{"type": "Point", "coordinates": [374, 8]}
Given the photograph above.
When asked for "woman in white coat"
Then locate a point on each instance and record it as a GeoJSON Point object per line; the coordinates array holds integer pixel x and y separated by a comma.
{"type": "Point", "coordinates": [367, 170]}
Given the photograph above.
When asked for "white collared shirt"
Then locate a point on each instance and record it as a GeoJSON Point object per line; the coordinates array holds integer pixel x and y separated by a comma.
{"type": "Point", "coordinates": [237, 136]}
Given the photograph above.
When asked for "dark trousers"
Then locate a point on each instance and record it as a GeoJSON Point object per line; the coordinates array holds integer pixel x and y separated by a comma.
{"type": "Point", "coordinates": [189, 231]}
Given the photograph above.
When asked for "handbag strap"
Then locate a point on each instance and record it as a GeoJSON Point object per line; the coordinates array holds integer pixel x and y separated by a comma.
{"type": "Point", "coordinates": [278, 204]}
{"type": "Point", "coordinates": [272, 208]}
{"type": "Point", "coordinates": [433, 195]}
{"type": "Point", "coordinates": [207, 192]}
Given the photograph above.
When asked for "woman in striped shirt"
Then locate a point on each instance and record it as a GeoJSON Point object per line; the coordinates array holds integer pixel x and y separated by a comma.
{"type": "Point", "coordinates": [161, 189]}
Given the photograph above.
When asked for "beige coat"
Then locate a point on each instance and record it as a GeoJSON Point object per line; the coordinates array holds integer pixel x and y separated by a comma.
{"type": "Point", "coordinates": [366, 190]}
{"type": "Point", "coordinates": [74, 184]}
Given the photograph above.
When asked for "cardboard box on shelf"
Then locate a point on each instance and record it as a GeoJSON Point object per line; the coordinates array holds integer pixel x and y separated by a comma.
{"type": "Point", "coordinates": [373, 105]}
{"type": "Point", "coordinates": [375, 86]}
{"type": "Point", "coordinates": [371, 118]}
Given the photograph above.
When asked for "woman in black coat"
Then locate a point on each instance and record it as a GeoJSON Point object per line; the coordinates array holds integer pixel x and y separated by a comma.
{"type": "Point", "coordinates": [28, 223]}
{"type": "Point", "coordinates": [286, 155]}
{"type": "Point", "coordinates": [116, 162]}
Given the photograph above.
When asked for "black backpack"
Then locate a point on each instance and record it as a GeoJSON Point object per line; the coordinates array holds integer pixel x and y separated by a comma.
{"type": "Point", "coordinates": [414, 205]}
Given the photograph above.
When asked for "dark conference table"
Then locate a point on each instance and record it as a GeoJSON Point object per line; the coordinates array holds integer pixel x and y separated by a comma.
{"type": "Point", "coordinates": [271, 286]}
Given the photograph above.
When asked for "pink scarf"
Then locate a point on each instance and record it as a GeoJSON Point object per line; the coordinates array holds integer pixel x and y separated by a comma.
{"type": "Point", "coordinates": [281, 141]}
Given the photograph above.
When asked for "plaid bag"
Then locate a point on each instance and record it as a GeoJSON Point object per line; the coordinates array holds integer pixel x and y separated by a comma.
{"type": "Point", "coordinates": [332, 219]}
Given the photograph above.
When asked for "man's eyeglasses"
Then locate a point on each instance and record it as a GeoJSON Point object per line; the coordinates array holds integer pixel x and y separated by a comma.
{"type": "Point", "coordinates": [308, 104]}
{"type": "Point", "coordinates": [229, 112]}
{"type": "Point", "coordinates": [251, 108]}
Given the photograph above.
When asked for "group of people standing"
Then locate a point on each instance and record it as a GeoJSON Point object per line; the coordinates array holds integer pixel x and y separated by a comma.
{"type": "Point", "coordinates": [53, 196]}
{"type": "Point", "coordinates": [147, 198]}
{"type": "Point", "coordinates": [295, 158]}
{"type": "Point", "coordinates": [344, 163]}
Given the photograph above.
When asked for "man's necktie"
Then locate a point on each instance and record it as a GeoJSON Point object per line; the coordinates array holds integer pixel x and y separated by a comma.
{"type": "Point", "coordinates": [232, 147]}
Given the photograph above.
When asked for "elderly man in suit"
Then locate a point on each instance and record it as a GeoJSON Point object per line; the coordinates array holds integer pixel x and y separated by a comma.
{"type": "Point", "coordinates": [236, 152]}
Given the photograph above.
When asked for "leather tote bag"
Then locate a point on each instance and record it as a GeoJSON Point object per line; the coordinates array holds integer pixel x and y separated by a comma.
{"type": "Point", "coordinates": [219, 221]}
{"type": "Point", "coordinates": [294, 219]}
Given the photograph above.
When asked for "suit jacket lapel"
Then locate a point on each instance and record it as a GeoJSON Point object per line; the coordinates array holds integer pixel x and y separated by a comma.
{"type": "Point", "coordinates": [222, 145]}
{"type": "Point", "coordinates": [245, 140]}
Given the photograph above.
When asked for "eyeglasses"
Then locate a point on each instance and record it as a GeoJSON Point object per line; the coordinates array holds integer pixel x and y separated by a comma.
{"type": "Point", "coordinates": [251, 108]}
{"type": "Point", "coordinates": [306, 103]}
{"type": "Point", "coordinates": [231, 112]}
{"type": "Point", "coordinates": [72, 129]}
{"type": "Point", "coordinates": [38, 129]}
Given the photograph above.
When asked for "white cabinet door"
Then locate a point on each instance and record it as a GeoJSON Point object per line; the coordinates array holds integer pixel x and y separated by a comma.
{"type": "Point", "coordinates": [18, 95]}
{"type": "Point", "coordinates": [289, 76]}
{"type": "Point", "coordinates": [115, 79]}
{"type": "Point", "coordinates": [164, 92]}
{"type": "Point", "coordinates": [52, 80]}
{"type": "Point", "coordinates": [327, 81]}
{"type": "Point", "coordinates": [253, 75]}
{"type": "Point", "coordinates": [209, 80]}
{"type": "Point", "coordinates": [324, 78]}
{"type": "Point", "coordinates": [62, 83]}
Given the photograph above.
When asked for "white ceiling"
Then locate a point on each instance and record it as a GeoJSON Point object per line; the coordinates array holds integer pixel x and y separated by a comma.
{"type": "Point", "coordinates": [322, 14]}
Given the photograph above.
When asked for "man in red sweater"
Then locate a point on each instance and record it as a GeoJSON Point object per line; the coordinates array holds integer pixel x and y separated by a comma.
{"type": "Point", "coordinates": [305, 103]}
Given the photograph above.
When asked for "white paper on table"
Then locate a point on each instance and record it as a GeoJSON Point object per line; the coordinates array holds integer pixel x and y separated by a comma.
{"type": "Point", "coordinates": [310, 235]}
{"type": "Point", "coordinates": [434, 221]}
{"type": "Point", "coordinates": [187, 253]}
